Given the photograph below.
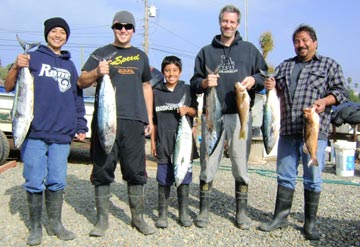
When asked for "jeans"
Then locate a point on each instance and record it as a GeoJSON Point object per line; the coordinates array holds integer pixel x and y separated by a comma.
{"type": "Point", "coordinates": [45, 165]}
{"type": "Point", "coordinates": [290, 151]}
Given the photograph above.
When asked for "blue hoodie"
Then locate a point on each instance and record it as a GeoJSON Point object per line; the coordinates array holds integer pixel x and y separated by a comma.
{"type": "Point", "coordinates": [58, 102]}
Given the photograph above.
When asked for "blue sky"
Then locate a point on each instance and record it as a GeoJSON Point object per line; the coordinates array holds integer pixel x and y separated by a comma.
{"type": "Point", "coordinates": [181, 28]}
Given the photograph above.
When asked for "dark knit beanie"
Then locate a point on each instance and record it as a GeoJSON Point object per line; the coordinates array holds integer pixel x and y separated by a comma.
{"type": "Point", "coordinates": [123, 17]}
{"type": "Point", "coordinates": [56, 22]}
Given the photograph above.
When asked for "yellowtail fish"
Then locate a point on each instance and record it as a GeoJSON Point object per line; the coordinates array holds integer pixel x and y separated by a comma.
{"type": "Point", "coordinates": [213, 118]}
{"type": "Point", "coordinates": [311, 134]}
{"type": "Point", "coordinates": [182, 158]}
{"type": "Point", "coordinates": [106, 112]}
{"type": "Point", "coordinates": [23, 106]}
{"type": "Point", "coordinates": [243, 106]}
{"type": "Point", "coordinates": [271, 120]}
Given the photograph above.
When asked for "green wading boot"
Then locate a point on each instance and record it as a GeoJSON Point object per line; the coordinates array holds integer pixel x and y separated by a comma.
{"type": "Point", "coordinates": [163, 195]}
{"type": "Point", "coordinates": [54, 201]}
{"type": "Point", "coordinates": [136, 203]}
{"type": "Point", "coordinates": [241, 197]}
{"type": "Point", "coordinates": [35, 201]}
{"type": "Point", "coordinates": [283, 204]}
{"type": "Point", "coordinates": [183, 200]}
{"type": "Point", "coordinates": [102, 201]}
{"type": "Point", "coordinates": [202, 220]}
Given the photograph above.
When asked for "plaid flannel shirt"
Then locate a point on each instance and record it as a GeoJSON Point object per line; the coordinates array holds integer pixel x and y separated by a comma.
{"type": "Point", "coordinates": [320, 77]}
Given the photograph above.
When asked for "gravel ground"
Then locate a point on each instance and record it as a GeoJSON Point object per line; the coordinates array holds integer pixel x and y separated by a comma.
{"type": "Point", "coordinates": [338, 214]}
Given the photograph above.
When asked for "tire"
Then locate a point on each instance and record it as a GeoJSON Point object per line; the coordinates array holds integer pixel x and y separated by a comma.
{"type": "Point", "coordinates": [4, 148]}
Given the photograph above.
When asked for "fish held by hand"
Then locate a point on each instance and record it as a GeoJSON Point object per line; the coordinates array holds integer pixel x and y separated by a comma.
{"type": "Point", "coordinates": [311, 134]}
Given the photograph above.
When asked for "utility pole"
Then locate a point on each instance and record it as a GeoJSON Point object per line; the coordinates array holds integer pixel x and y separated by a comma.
{"type": "Point", "coordinates": [149, 12]}
{"type": "Point", "coordinates": [246, 31]}
{"type": "Point", "coordinates": [146, 28]}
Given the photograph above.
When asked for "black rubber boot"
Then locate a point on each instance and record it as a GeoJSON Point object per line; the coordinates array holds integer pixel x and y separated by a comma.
{"type": "Point", "coordinates": [202, 220]}
{"type": "Point", "coordinates": [183, 200]}
{"type": "Point", "coordinates": [163, 195]}
{"type": "Point", "coordinates": [136, 203]}
{"type": "Point", "coordinates": [54, 201]}
{"type": "Point", "coordinates": [35, 201]}
{"type": "Point", "coordinates": [241, 197]}
{"type": "Point", "coordinates": [102, 201]}
{"type": "Point", "coordinates": [283, 204]}
{"type": "Point", "coordinates": [311, 199]}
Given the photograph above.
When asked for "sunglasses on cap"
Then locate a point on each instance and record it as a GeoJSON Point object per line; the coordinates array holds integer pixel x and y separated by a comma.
{"type": "Point", "coordinates": [119, 26]}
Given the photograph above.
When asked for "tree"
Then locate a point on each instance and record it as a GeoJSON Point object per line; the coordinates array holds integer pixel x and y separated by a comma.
{"type": "Point", "coordinates": [3, 73]}
{"type": "Point", "coordinates": [266, 44]}
{"type": "Point", "coordinates": [353, 97]}
{"type": "Point", "coordinates": [349, 80]}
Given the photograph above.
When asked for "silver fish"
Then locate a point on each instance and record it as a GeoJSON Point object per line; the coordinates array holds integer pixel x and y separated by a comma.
{"type": "Point", "coordinates": [106, 115]}
{"type": "Point", "coordinates": [23, 107]}
{"type": "Point", "coordinates": [214, 123]}
{"type": "Point", "coordinates": [183, 148]}
{"type": "Point", "coordinates": [271, 120]}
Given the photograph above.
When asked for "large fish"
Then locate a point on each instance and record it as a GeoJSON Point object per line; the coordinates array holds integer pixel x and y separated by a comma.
{"type": "Point", "coordinates": [271, 120]}
{"type": "Point", "coordinates": [213, 118]}
{"type": "Point", "coordinates": [311, 134]}
{"type": "Point", "coordinates": [243, 106]}
{"type": "Point", "coordinates": [23, 107]}
{"type": "Point", "coordinates": [106, 112]}
{"type": "Point", "coordinates": [183, 148]}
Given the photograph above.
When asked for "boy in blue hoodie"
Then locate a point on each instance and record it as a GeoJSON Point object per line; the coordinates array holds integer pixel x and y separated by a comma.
{"type": "Point", "coordinates": [58, 117]}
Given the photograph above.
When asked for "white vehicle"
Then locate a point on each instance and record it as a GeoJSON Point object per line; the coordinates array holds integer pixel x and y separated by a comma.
{"type": "Point", "coordinates": [6, 104]}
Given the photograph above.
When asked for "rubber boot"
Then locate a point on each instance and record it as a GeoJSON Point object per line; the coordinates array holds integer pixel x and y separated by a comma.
{"type": "Point", "coordinates": [35, 201]}
{"type": "Point", "coordinates": [283, 204]}
{"type": "Point", "coordinates": [163, 195]}
{"type": "Point", "coordinates": [183, 200]}
{"type": "Point", "coordinates": [311, 199]}
{"type": "Point", "coordinates": [102, 201]}
{"type": "Point", "coordinates": [136, 203]}
{"type": "Point", "coordinates": [241, 197]}
{"type": "Point", "coordinates": [54, 201]}
{"type": "Point", "coordinates": [202, 220]}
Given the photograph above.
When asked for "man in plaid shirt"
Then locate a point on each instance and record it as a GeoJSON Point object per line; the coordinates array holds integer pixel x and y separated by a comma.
{"type": "Point", "coordinates": [307, 80]}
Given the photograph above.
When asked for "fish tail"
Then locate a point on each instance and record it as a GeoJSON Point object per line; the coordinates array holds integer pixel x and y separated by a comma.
{"type": "Point", "coordinates": [313, 162]}
{"type": "Point", "coordinates": [242, 134]}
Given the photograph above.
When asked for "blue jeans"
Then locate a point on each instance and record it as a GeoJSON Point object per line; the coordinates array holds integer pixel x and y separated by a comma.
{"type": "Point", "coordinates": [290, 151]}
{"type": "Point", "coordinates": [45, 165]}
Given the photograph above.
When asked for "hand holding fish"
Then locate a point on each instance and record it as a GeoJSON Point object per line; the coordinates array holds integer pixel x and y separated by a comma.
{"type": "Point", "coordinates": [183, 110]}
{"type": "Point", "coordinates": [322, 103]}
{"type": "Point", "coordinates": [269, 83]}
{"type": "Point", "coordinates": [103, 68]}
{"type": "Point", "coordinates": [248, 82]}
{"type": "Point", "coordinates": [210, 81]}
{"type": "Point", "coordinates": [22, 61]}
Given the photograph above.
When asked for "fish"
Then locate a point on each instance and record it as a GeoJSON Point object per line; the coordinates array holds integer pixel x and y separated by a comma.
{"type": "Point", "coordinates": [213, 118]}
{"type": "Point", "coordinates": [311, 134]}
{"type": "Point", "coordinates": [243, 107]}
{"type": "Point", "coordinates": [106, 112]}
{"type": "Point", "coordinates": [182, 157]}
{"type": "Point", "coordinates": [22, 112]}
{"type": "Point", "coordinates": [270, 127]}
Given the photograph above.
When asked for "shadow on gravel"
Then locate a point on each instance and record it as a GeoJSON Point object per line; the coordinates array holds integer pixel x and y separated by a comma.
{"type": "Point", "coordinates": [332, 231]}
{"type": "Point", "coordinates": [18, 203]}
